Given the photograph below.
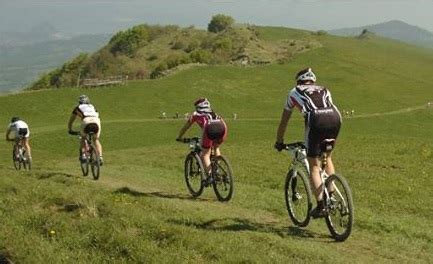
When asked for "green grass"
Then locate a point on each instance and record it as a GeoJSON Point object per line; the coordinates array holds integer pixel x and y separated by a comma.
{"type": "Point", "coordinates": [140, 210]}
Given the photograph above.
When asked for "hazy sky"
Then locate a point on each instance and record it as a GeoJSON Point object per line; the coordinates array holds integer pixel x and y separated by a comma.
{"type": "Point", "coordinates": [107, 16]}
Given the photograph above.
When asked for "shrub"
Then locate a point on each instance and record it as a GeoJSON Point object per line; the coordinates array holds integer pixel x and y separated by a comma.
{"type": "Point", "coordinates": [129, 41]}
{"type": "Point", "coordinates": [220, 23]}
{"type": "Point", "coordinates": [321, 33]}
{"type": "Point", "coordinates": [200, 56]}
{"type": "Point", "coordinates": [152, 57]}
{"type": "Point", "coordinates": [158, 71]}
{"type": "Point", "coordinates": [193, 45]}
{"type": "Point", "coordinates": [223, 43]}
{"type": "Point", "coordinates": [178, 45]}
{"type": "Point", "coordinates": [142, 73]}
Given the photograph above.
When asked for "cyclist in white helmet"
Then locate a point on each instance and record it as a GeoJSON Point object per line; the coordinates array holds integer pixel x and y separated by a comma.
{"type": "Point", "coordinates": [90, 122]}
{"type": "Point", "coordinates": [214, 130]}
{"type": "Point", "coordinates": [322, 121]}
{"type": "Point", "coordinates": [22, 132]}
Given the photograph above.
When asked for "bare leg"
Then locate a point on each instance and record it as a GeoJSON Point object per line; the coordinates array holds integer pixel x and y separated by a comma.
{"type": "Point", "coordinates": [98, 146]}
{"type": "Point", "coordinates": [330, 169]}
{"type": "Point", "coordinates": [83, 145]}
{"type": "Point", "coordinates": [27, 147]}
{"type": "Point", "coordinates": [217, 151]}
{"type": "Point", "coordinates": [315, 177]}
{"type": "Point", "coordinates": [205, 157]}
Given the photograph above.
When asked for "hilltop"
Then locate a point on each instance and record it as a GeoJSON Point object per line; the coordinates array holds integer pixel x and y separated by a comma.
{"type": "Point", "coordinates": [394, 29]}
{"type": "Point", "coordinates": [146, 51]}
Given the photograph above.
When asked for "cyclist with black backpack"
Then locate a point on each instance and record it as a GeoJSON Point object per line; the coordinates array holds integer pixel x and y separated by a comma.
{"type": "Point", "coordinates": [214, 130]}
{"type": "Point", "coordinates": [322, 121]}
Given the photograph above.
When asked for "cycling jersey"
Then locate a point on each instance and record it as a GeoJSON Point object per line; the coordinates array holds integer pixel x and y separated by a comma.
{"type": "Point", "coordinates": [20, 128]}
{"type": "Point", "coordinates": [308, 98]}
{"type": "Point", "coordinates": [85, 110]}
{"type": "Point", "coordinates": [322, 118]}
{"type": "Point", "coordinates": [213, 127]}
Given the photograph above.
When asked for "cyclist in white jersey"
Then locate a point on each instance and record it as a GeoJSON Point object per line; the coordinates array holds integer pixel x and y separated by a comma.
{"type": "Point", "coordinates": [90, 122]}
{"type": "Point", "coordinates": [322, 121]}
{"type": "Point", "coordinates": [21, 131]}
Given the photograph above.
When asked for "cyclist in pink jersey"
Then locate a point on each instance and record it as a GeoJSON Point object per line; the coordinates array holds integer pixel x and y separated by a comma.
{"type": "Point", "coordinates": [214, 130]}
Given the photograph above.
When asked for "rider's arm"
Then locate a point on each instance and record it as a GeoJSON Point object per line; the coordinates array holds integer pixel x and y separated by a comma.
{"type": "Point", "coordinates": [185, 128]}
{"type": "Point", "coordinates": [71, 121]}
{"type": "Point", "coordinates": [7, 134]}
{"type": "Point", "coordinates": [285, 116]}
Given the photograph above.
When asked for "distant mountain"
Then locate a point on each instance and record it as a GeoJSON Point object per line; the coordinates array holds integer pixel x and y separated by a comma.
{"type": "Point", "coordinates": [394, 29]}
{"type": "Point", "coordinates": [21, 64]}
{"type": "Point", "coordinates": [39, 33]}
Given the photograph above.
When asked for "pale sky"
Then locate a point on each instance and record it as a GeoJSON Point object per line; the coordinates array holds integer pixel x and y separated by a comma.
{"type": "Point", "coordinates": [107, 16]}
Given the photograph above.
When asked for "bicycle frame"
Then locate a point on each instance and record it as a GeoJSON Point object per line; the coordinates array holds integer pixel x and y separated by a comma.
{"type": "Point", "coordinates": [300, 161]}
{"type": "Point", "coordinates": [324, 176]}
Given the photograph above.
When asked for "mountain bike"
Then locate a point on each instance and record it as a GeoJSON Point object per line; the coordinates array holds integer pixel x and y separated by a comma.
{"type": "Point", "coordinates": [221, 176]}
{"type": "Point", "coordinates": [19, 157]}
{"type": "Point", "coordinates": [91, 154]}
{"type": "Point", "coordinates": [338, 209]}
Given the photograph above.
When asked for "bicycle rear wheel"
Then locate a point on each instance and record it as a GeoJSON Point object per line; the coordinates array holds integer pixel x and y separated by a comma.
{"type": "Point", "coordinates": [84, 164]}
{"type": "Point", "coordinates": [340, 211]}
{"type": "Point", "coordinates": [17, 163]}
{"type": "Point", "coordinates": [194, 174]}
{"type": "Point", "coordinates": [298, 197]}
{"type": "Point", "coordinates": [95, 164]}
{"type": "Point", "coordinates": [222, 178]}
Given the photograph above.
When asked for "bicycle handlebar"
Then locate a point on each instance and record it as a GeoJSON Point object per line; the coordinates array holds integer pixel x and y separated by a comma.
{"type": "Point", "coordinates": [292, 146]}
{"type": "Point", "coordinates": [74, 133]}
{"type": "Point", "coordinates": [188, 140]}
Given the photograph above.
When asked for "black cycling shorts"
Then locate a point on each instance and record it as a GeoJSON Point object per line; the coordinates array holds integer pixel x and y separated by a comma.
{"type": "Point", "coordinates": [23, 131]}
{"type": "Point", "coordinates": [215, 130]}
{"type": "Point", "coordinates": [91, 128]}
{"type": "Point", "coordinates": [321, 124]}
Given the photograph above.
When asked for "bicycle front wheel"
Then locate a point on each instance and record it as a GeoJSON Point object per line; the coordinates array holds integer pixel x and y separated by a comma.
{"type": "Point", "coordinates": [298, 196]}
{"type": "Point", "coordinates": [194, 174]}
{"type": "Point", "coordinates": [222, 178]}
{"type": "Point", "coordinates": [95, 164]}
{"type": "Point", "coordinates": [340, 211]}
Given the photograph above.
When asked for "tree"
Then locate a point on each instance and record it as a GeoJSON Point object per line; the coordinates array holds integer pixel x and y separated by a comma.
{"type": "Point", "coordinates": [220, 23]}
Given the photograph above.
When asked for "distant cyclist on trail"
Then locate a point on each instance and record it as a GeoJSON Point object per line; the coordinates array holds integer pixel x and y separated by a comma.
{"type": "Point", "coordinates": [214, 130]}
{"type": "Point", "coordinates": [22, 132]}
{"type": "Point", "coordinates": [322, 121]}
{"type": "Point", "coordinates": [90, 122]}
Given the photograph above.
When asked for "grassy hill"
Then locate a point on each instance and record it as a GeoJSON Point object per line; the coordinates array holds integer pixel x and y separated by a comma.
{"type": "Point", "coordinates": [149, 52]}
{"type": "Point", "coordinates": [140, 211]}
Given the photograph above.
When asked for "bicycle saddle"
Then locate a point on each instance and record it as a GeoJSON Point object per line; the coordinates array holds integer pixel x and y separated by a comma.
{"type": "Point", "coordinates": [327, 145]}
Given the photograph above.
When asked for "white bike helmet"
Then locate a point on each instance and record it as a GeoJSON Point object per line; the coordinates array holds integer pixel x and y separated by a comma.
{"type": "Point", "coordinates": [83, 99]}
{"type": "Point", "coordinates": [306, 75]}
{"type": "Point", "coordinates": [202, 105]}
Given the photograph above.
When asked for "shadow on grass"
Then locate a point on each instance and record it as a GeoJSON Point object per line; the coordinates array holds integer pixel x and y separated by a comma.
{"type": "Point", "coordinates": [5, 258]}
{"type": "Point", "coordinates": [47, 175]}
{"type": "Point", "coordinates": [131, 192]}
{"type": "Point", "coordinates": [242, 224]}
